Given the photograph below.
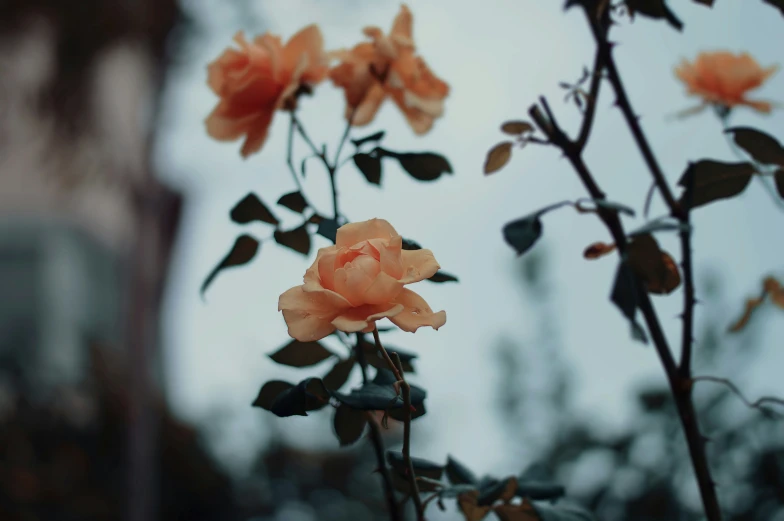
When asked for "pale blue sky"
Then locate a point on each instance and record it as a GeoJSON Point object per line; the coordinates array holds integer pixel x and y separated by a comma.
{"type": "Point", "coordinates": [498, 56]}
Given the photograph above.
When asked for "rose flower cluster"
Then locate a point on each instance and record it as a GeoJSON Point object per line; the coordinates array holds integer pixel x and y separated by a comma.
{"type": "Point", "coordinates": [263, 76]}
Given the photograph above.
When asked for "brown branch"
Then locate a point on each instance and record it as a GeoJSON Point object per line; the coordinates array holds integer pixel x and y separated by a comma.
{"type": "Point", "coordinates": [378, 442]}
{"type": "Point", "coordinates": [758, 404]}
{"type": "Point", "coordinates": [397, 368]}
{"type": "Point", "coordinates": [593, 96]}
{"type": "Point", "coordinates": [679, 385]}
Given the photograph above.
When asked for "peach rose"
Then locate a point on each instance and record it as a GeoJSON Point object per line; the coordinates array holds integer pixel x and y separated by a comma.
{"type": "Point", "coordinates": [388, 67]}
{"type": "Point", "coordinates": [360, 280]}
{"type": "Point", "coordinates": [259, 78]}
{"type": "Point", "coordinates": [722, 78]}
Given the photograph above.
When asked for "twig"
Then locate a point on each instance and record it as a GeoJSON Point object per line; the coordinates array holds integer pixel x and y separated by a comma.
{"type": "Point", "coordinates": [758, 404]}
{"type": "Point", "coordinates": [397, 368]}
{"type": "Point", "coordinates": [378, 442]}
{"type": "Point", "coordinates": [593, 95]}
{"type": "Point", "coordinates": [678, 385]}
{"type": "Point", "coordinates": [290, 154]}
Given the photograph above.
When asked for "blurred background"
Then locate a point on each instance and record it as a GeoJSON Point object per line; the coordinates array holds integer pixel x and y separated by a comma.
{"type": "Point", "coordinates": [124, 395]}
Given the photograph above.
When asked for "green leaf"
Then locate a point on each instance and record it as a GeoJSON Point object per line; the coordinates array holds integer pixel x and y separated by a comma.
{"type": "Point", "coordinates": [442, 276]}
{"type": "Point", "coordinates": [610, 205]}
{"type": "Point", "coordinates": [539, 491]}
{"type": "Point", "coordinates": [423, 166]}
{"type": "Point", "coordinates": [458, 473]}
{"type": "Point", "coordinates": [294, 201]}
{"type": "Point", "coordinates": [400, 414]}
{"type": "Point", "coordinates": [411, 245]}
{"type": "Point", "coordinates": [562, 513]}
{"type": "Point", "coordinates": [375, 359]}
{"type": "Point", "coordinates": [492, 491]}
{"type": "Point", "coordinates": [662, 224]}
{"type": "Point", "coordinates": [301, 354]}
{"type": "Point", "coordinates": [706, 181]}
{"type": "Point", "coordinates": [243, 251]}
{"type": "Point", "coordinates": [370, 397]}
{"type": "Point", "coordinates": [498, 157]}
{"type": "Point", "coordinates": [378, 136]}
{"type": "Point", "coordinates": [624, 296]}
{"type": "Point", "coordinates": [250, 209]}
{"type": "Point", "coordinates": [297, 239]}
{"type": "Point", "coordinates": [348, 425]}
{"type": "Point", "coordinates": [269, 392]}
{"type": "Point", "coordinates": [422, 467]}
{"type": "Point", "coordinates": [328, 228]}
{"type": "Point", "coordinates": [309, 395]}
{"type": "Point", "coordinates": [523, 233]}
{"type": "Point", "coordinates": [338, 375]}
{"type": "Point", "coordinates": [370, 166]}
{"type": "Point", "coordinates": [779, 178]}
{"type": "Point", "coordinates": [763, 147]}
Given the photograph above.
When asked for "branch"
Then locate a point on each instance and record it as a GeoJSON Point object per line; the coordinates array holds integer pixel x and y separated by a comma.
{"type": "Point", "coordinates": [593, 96]}
{"type": "Point", "coordinates": [397, 368]}
{"type": "Point", "coordinates": [378, 443]}
{"type": "Point", "coordinates": [758, 404]}
{"type": "Point", "coordinates": [290, 154]}
{"type": "Point", "coordinates": [679, 385]}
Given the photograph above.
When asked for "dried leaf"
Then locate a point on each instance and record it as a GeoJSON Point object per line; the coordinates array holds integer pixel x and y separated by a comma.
{"type": "Point", "coordinates": [498, 157]}
{"type": "Point", "coordinates": [655, 267]}
{"type": "Point", "coordinates": [515, 128]}
{"type": "Point", "coordinates": [467, 502]}
{"type": "Point", "coordinates": [751, 305]}
{"type": "Point", "coordinates": [598, 249]}
{"type": "Point", "coordinates": [521, 512]}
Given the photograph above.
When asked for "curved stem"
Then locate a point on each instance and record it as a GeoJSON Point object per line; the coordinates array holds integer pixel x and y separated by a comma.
{"type": "Point", "coordinates": [397, 369]}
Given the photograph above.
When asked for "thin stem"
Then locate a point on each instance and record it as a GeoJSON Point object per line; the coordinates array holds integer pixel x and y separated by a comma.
{"type": "Point", "coordinates": [758, 404]}
{"type": "Point", "coordinates": [290, 154]}
{"type": "Point", "coordinates": [687, 338]}
{"type": "Point", "coordinates": [679, 386]}
{"type": "Point", "coordinates": [344, 138]}
{"type": "Point", "coordinates": [397, 368]}
{"type": "Point", "coordinates": [593, 95]}
{"type": "Point", "coordinates": [378, 441]}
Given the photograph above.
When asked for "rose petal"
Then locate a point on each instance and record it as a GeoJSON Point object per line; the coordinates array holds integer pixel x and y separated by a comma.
{"type": "Point", "coordinates": [368, 107]}
{"type": "Point", "coordinates": [418, 265]}
{"type": "Point", "coordinates": [325, 266]}
{"type": "Point", "coordinates": [416, 313]}
{"type": "Point", "coordinates": [310, 43]}
{"type": "Point", "coordinates": [362, 317]}
{"type": "Point", "coordinates": [383, 289]}
{"type": "Point", "coordinates": [257, 134]}
{"type": "Point", "coordinates": [403, 24]}
{"type": "Point", "coordinates": [390, 256]}
{"type": "Point", "coordinates": [352, 282]}
{"type": "Point", "coordinates": [308, 314]}
{"type": "Point", "coordinates": [353, 233]}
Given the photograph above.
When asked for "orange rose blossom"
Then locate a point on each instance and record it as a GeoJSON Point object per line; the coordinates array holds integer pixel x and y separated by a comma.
{"type": "Point", "coordinates": [388, 67]}
{"type": "Point", "coordinates": [259, 78]}
{"type": "Point", "coordinates": [722, 78]}
{"type": "Point", "coordinates": [360, 280]}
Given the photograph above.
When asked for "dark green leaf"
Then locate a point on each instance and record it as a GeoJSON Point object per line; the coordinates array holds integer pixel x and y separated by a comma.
{"type": "Point", "coordinates": [442, 276]}
{"type": "Point", "coordinates": [308, 395]}
{"type": "Point", "coordinates": [706, 181]}
{"type": "Point", "coordinates": [624, 295]}
{"type": "Point", "coordinates": [411, 245]}
{"type": "Point", "coordinates": [422, 467]}
{"type": "Point", "coordinates": [654, 399]}
{"type": "Point", "coordinates": [656, 9]}
{"type": "Point", "coordinates": [778, 4]}
{"type": "Point", "coordinates": [328, 228]}
{"type": "Point", "coordinates": [370, 166]}
{"type": "Point", "coordinates": [763, 147]}
{"type": "Point", "coordinates": [662, 224]}
{"type": "Point", "coordinates": [618, 207]}
{"type": "Point", "coordinates": [400, 414]}
{"type": "Point", "coordinates": [294, 201]}
{"type": "Point", "coordinates": [297, 239]}
{"type": "Point", "coordinates": [458, 473]}
{"type": "Point", "coordinates": [491, 492]}
{"type": "Point", "coordinates": [455, 490]}
{"type": "Point", "coordinates": [301, 354]}
{"type": "Point", "coordinates": [378, 136]}
{"type": "Point", "coordinates": [423, 166]}
{"type": "Point", "coordinates": [523, 233]}
{"type": "Point", "coordinates": [375, 359]}
{"type": "Point", "coordinates": [249, 209]}
{"type": "Point", "coordinates": [370, 397]}
{"type": "Point", "coordinates": [338, 375]}
{"type": "Point", "coordinates": [269, 392]}
{"type": "Point", "coordinates": [779, 178]}
{"type": "Point", "coordinates": [243, 251]}
{"type": "Point", "coordinates": [348, 425]}
{"type": "Point", "coordinates": [539, 491]}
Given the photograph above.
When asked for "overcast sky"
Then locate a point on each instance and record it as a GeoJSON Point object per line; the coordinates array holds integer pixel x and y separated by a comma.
{"type": "Point", "coordinates": [498, 57]}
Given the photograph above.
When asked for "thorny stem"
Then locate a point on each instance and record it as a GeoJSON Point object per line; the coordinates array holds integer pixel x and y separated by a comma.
{"type": "Point", "coordinates": [678, 384]}
{"type": "Point", "coordinates": [378, 442]}
{"type": "Point", "coordinates": [593, 94]}
{"type": "Point", "coordinates": [397, 369]}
